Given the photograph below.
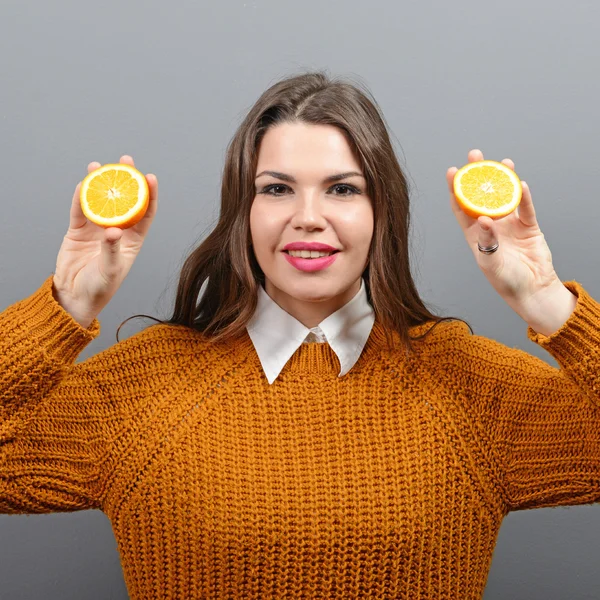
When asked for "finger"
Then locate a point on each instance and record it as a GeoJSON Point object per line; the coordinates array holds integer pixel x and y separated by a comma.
{"type": "Point", "coordinates": [126, 159]}
{"type": "Point", "coordinates": [112, 234]}
{"type": "Point", "coordinates": [110, 251]}
{"type": "Point", "coordinates": [509, 163]}
{"type": "Point", "coordinates": [487, 235]}
{"type": "Point", "coordinates": [450, 173]}
{"type": "Point", "coordinates": [526, 208]}
{"type": "Point", "coordinates": [77, 218]}
{"type": "Point", "coordinates": [475, 155]}
{"type": "Point", "coordinates": [143, 226]}
{"type": "Point", "coordinates": [464, 220]}
{"type": "Point", "coordinates": [153, 200]}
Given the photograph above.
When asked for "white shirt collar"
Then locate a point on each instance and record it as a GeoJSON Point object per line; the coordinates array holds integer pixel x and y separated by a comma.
{"type": "Point", "coordinates": [276, 335]}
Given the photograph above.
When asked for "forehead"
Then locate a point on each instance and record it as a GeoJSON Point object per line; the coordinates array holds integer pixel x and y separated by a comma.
{"type": "Point", "coordinates": [297, 146]}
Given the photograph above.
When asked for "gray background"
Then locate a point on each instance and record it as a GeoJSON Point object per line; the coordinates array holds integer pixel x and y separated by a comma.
{"type": "Point", "coordinates": [169, 83]}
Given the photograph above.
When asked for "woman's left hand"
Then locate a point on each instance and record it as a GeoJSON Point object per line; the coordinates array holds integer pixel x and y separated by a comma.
{"type": "Point", "coordinates": [521, 269]}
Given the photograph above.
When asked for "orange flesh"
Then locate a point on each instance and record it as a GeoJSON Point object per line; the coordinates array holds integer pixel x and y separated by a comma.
{"type": "Point", "coordinates": [112, 194]}
{"type": "Point", "coordinates": [487, 187]}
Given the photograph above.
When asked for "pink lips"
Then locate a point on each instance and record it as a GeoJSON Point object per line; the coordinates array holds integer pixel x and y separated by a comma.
{"type": "Point", "coordinates": [320, 246]}
{"type": "Point", "coordinates": [310, 264]}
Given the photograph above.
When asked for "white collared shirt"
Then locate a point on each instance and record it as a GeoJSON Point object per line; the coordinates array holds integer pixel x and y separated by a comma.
{"type": "Point", "coordinates": [276, 335]}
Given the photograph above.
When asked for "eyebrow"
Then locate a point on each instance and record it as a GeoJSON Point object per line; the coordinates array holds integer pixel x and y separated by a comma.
{"type": "Point", "coordinates": [285, 177]}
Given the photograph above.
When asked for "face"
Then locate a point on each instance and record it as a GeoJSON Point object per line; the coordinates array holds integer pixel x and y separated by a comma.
{"type": "Point", "coordinates": [298, 204]}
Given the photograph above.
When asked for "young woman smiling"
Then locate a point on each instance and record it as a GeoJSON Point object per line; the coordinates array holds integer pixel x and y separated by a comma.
{"type": "Point", "coordinates": [302, 426]}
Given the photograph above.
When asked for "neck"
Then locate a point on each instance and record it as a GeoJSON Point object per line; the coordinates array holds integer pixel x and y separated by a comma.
{"type": "Point", "coordinates": [314, 309]}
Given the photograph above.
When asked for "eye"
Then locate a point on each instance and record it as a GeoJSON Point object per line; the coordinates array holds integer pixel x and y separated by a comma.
{"type": "Point", "coordinates": [269, 189]}
{"type": "Point", "coordinates": [350, 188]}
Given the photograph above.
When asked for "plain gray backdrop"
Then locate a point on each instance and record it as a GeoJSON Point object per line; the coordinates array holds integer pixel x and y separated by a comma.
{"type": "Point", "coordinates": [169, 83]}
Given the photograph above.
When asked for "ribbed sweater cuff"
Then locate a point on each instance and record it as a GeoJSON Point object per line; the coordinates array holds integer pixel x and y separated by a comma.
{"type": "Point", "coordinates": [577, 342]}
{"type": "Point", "coordinates": [42, 318]}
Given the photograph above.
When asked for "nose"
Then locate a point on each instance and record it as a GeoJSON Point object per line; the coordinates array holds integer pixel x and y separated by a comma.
{"type": "Point", "coordinates": [308, 210]}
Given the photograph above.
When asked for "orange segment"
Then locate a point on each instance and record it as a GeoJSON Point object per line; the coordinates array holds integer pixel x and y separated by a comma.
{"type": "Point", "coordinates": [115, 195]}
{"type": "Point", "coordinates": [488, 188]}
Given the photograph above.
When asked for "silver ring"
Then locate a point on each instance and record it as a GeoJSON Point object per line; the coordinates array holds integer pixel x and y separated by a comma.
{"type": "Point", "coordinates": [489, 250]}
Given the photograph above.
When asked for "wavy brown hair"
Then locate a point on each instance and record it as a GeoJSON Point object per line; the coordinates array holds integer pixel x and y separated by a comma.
{"type": "Point", "coordinates": [225, 260]}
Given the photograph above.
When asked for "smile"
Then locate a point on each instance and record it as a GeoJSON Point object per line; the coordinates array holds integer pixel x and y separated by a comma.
{"type": "Point", "coordinates": [311, 264]}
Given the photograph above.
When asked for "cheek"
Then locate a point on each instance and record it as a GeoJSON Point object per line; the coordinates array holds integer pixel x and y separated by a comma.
{"type": "Point", "coordinates": [263, 230]}
{"type": "Point", "coordinates": [358, 225]}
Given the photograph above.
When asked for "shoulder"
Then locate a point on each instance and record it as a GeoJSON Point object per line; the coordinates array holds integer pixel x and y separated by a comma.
{"type": "Point", "coordinates": [156, 347]}
{"type": "Point", "coordinates": [452, 348]}
{"type": "Point", "coordinates": [439, 336]}
{"type": "Point", "coordinates": [452, 345]}
{"type": "Point", "coordinates": [430, 341]}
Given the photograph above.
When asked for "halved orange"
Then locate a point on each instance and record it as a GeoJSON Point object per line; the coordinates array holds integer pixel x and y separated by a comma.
{"type": "Point", "coordinates": [115, 195]}
{"type": "Point", "coordinates": [488, 188]}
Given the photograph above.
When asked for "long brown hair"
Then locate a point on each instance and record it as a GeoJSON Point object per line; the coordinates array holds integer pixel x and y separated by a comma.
{"type": "Point", "coordinates": [225, 260]}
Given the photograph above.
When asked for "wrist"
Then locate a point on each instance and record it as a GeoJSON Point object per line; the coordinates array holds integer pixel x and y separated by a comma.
{"type": "Point", "coordinates": [82, 317]}
{"type": "Point", "coordinates": [549, 310]}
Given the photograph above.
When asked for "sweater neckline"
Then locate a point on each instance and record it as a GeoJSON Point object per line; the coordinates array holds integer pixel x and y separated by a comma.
{"type": "Point", "coordinates": [319, 357]}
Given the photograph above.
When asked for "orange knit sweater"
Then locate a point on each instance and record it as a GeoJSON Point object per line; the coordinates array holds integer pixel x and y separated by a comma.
{"type": "Point", "coordinates": [389, 482]}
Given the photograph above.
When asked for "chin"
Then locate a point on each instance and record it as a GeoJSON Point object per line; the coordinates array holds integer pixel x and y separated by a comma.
{"type": "Point", "coordinates": [314, 290]}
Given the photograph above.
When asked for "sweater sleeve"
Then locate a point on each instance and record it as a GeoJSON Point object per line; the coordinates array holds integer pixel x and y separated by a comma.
{"type": "Point", "coordinates": [541, 424]}
{"type": "Point", "coordinates": [58, 422]}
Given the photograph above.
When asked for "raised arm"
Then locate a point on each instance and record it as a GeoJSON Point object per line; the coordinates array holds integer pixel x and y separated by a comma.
{"type": "Point", "coordinates": [61, 423]}
{"type": "Point", "coordinates": [540, 425]}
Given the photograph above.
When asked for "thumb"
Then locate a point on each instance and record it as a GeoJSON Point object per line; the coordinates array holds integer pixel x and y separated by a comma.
{"type": "Point", "coordinates": [487, 235]}
{"type": "Point", "coordinates": [110, 250]}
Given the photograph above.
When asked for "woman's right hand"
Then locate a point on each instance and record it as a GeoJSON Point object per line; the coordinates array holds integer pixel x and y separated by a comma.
{"type": "Point", "coordinates": [93, 261]}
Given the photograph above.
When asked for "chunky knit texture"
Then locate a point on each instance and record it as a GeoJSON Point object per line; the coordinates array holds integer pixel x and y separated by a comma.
{"type": "Point", "coordinates": [389, 482]}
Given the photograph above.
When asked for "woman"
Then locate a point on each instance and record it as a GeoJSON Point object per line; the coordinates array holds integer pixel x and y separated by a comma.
{"type": "Point", "coordinates": [235, 455]}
